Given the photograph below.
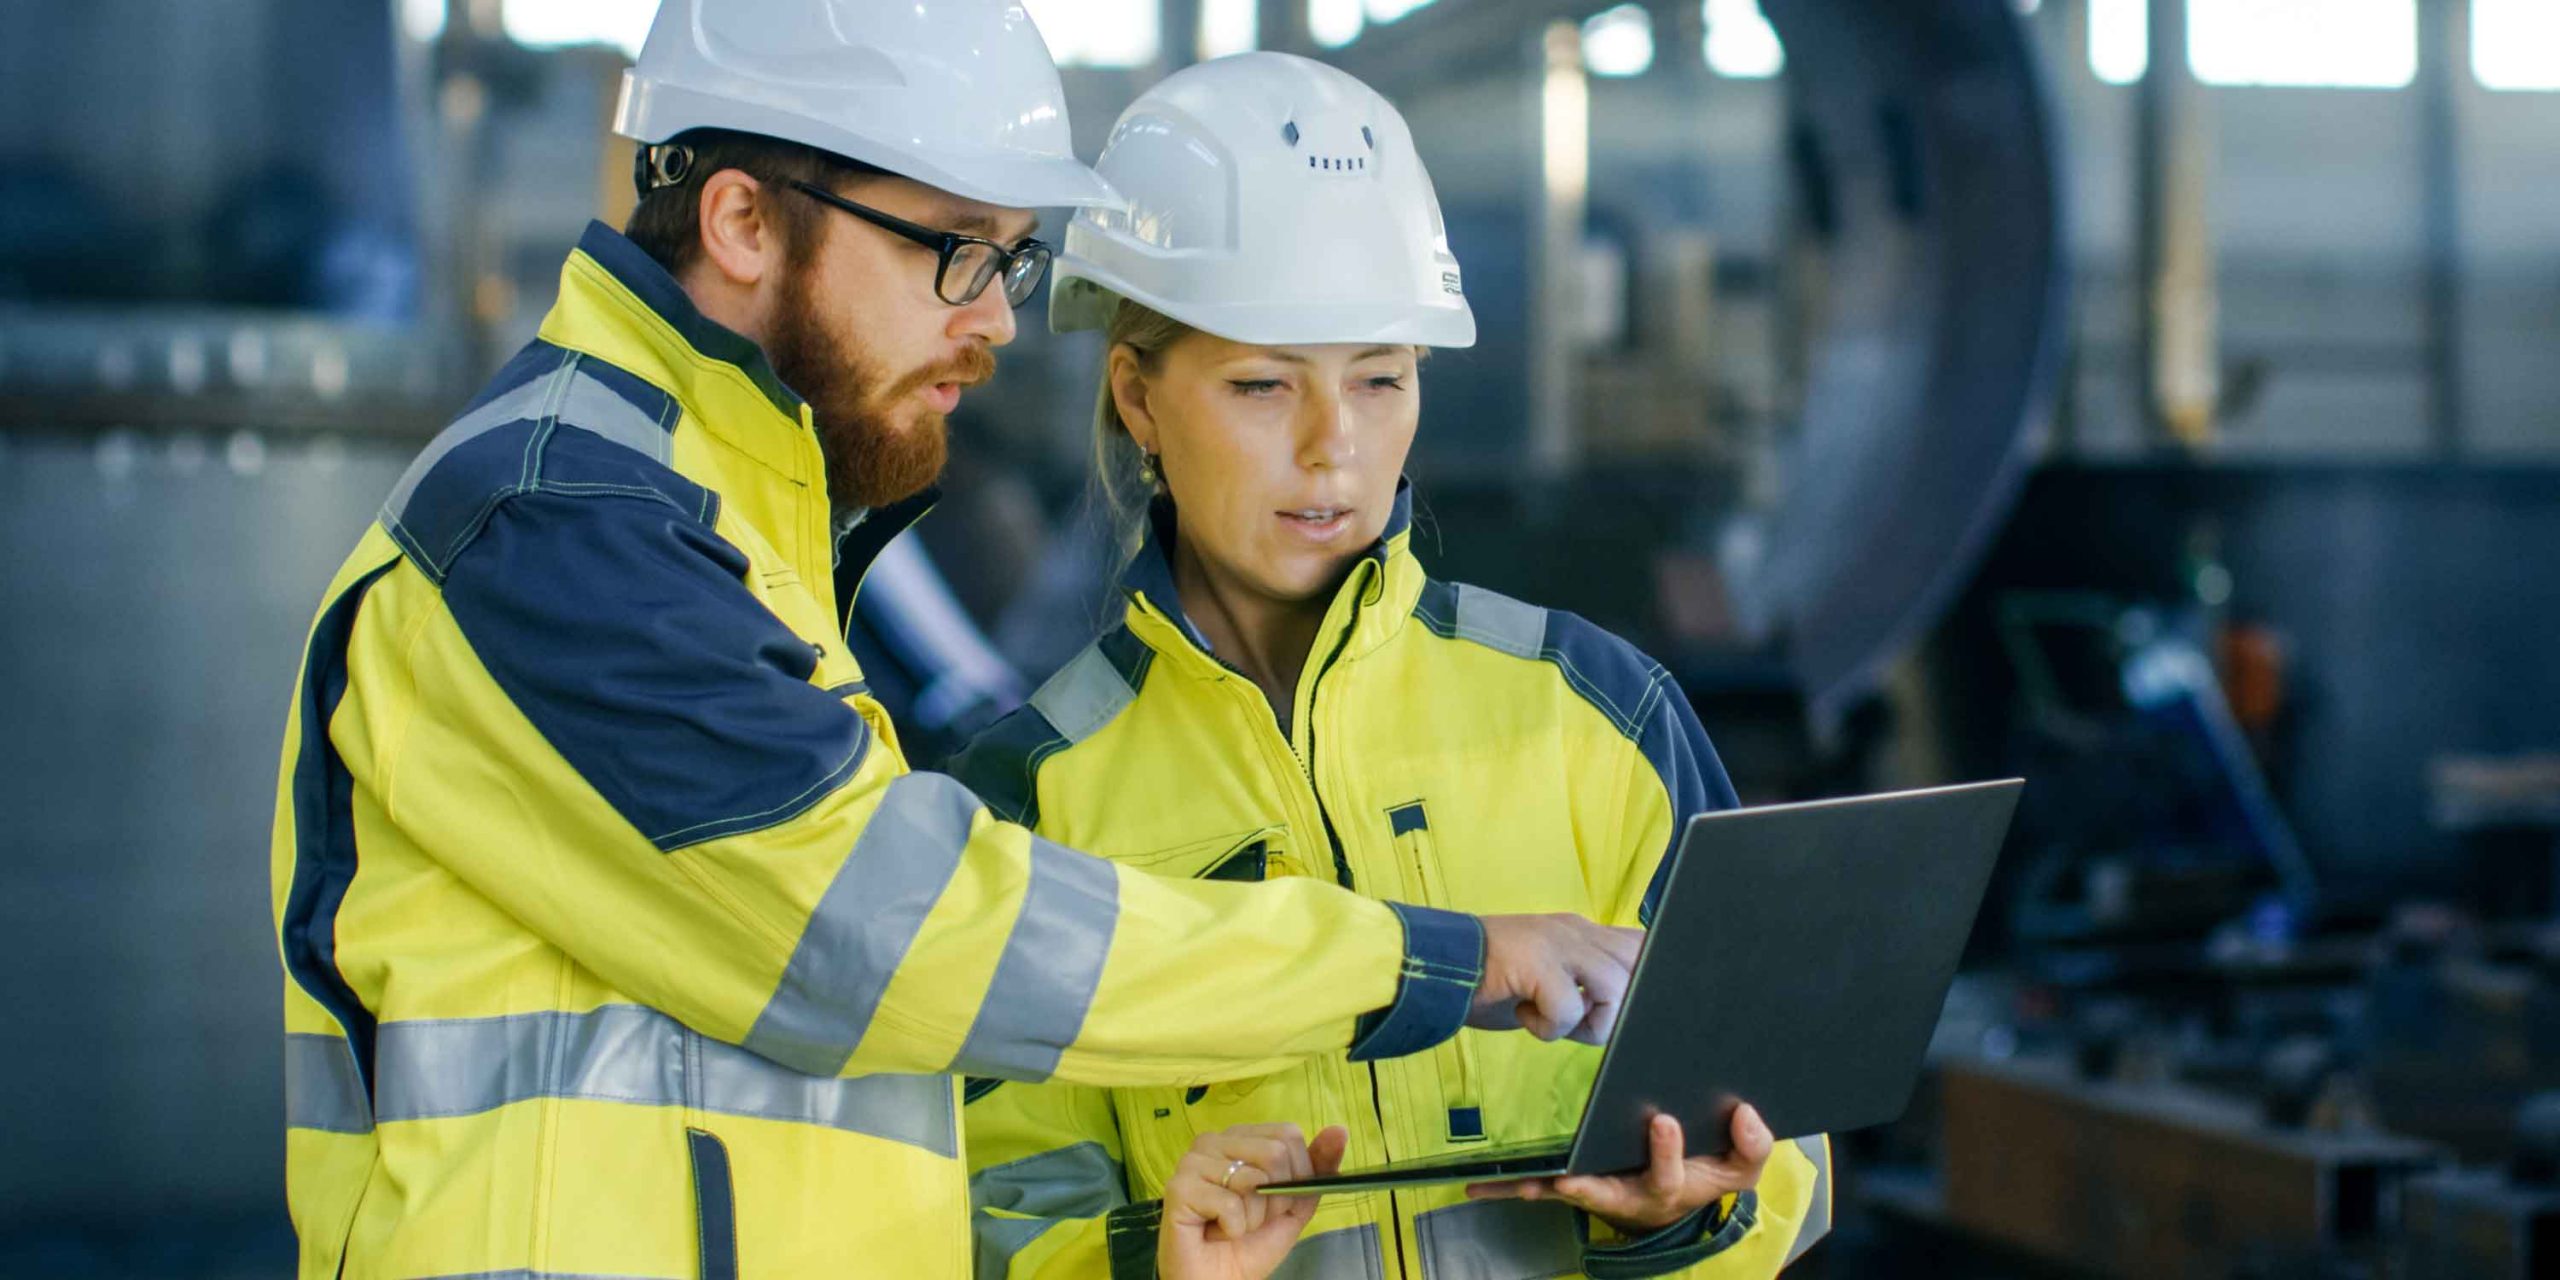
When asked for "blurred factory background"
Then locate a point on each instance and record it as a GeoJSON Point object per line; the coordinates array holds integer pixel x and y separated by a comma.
{"type": "Point", "coordinates": [2153, 399]}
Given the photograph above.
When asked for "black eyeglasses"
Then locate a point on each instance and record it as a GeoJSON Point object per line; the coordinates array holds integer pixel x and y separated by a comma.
{"type": "Point", "coordinates": [968, 264]}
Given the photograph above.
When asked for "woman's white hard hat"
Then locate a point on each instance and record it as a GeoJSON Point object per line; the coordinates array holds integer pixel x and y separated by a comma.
{"type": "Point", "coordinates": [1271, 199]}
{"type": "Point", "coordinates": [958, 94]}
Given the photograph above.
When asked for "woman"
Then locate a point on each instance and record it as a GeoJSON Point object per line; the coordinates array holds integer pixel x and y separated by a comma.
{"type": "Point", "coordinates": [1290, 694]}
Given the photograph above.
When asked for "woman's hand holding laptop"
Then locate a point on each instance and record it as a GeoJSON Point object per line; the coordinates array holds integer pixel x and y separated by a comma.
{"type": "Point", "coordinates": [1670, 1188]}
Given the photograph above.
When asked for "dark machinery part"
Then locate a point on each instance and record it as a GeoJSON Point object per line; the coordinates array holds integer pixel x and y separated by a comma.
{"type": "Point", "coordinates": [2160, 1180]}
{"type": "Point", "coordinates": [2489, 1224]}
{"type": "Point", "coordinates": [1925, 150]}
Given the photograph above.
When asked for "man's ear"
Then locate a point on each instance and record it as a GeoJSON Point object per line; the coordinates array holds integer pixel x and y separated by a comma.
{"type": "Point", "coordinates": [1129, 396]}
{"type": "Point", "coordinates": [739, 238]}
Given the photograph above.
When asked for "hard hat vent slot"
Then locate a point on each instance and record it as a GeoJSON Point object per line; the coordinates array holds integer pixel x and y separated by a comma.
{"type": "Point", "coordinates": [1289, 133]}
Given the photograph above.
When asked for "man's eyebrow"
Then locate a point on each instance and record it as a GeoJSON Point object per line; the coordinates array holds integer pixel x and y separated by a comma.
{"type": "Point", "coordinates": [981, 224]}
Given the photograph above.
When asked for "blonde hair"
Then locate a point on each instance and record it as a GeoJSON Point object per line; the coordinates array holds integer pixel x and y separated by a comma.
{"type": "Point", "coordinates": [1118, 469]}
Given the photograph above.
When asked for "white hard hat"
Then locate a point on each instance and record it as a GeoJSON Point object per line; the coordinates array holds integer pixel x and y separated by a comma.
{"type": "Point", "coordinates": [1272, 199]}
{"type": "Point", "coordinates": [958, 94]}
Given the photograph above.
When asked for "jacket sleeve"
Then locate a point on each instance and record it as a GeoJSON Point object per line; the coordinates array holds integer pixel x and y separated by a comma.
{"type": "Point", "coordinates": [1048, 1197]}
{"type": "Point", "coordinates": [1669, 774]}
{"type": "Point", "coordinates": [617, 742]}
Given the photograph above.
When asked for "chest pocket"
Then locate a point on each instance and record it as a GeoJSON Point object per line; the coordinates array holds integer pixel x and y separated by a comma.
{"type": "Point", "coordinates": [780, 588]}
{"type": "Point", "coordinates": [1454, 1060]}
{"type": "Point", "coordinates": [1158, 1124]}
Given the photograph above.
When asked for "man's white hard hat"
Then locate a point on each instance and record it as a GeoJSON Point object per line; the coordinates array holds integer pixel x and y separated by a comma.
{"type": "Point", "coordinates": [1271, 199]}
{"type": "Point", "coordinates": [958, 94]}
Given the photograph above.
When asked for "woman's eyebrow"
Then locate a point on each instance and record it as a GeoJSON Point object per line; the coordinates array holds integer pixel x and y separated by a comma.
{"type": "Point", "coordinates": [1292, 357]}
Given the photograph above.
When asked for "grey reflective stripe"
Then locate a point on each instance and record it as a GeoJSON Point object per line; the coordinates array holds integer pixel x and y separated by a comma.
{"type": "Point", "coordinates": [1350, 1252]}
{"type": "Point", "coordinates": [1081, 1181]}
{"type": "Point", "coordinates": [593, 406]}
{"type": "Point", "coordinates": [1499, 622]}
{"type": "Point", "coordinates": [540, 1275]}
{"type": "Point", "coordinates": [1084, 695]}
{"type": "Point", "coordinates": [1000, 1240]}
{"type": "Point", "coordinates": [1045, 981]}
{"type": "Point", "coordinates": [539, 398]}
{"type": "Point", "coordinates": [864, 924]}
{"type": "Point", "coordinates": [429, 1069]}
{"type": "Point", "coordinates": [1817, 1215]}
{"type": "Point", "coordinates": [1499, 1240]}
{"type": "Point", "coordinates": [322, 1089]}
{"type": "Point", "coordinates": [564, 394]}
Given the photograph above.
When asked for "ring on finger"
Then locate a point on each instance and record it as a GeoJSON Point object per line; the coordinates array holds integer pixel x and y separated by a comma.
{"type": "Point", "coordinates": [1225, 1180]}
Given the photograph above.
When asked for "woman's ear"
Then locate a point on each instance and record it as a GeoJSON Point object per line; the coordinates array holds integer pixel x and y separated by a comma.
{"type": "Point", "coordinates": [1129, 396]}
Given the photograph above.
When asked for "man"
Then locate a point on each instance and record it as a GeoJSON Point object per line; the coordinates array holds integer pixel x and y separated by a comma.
{"type": "Point", "coordinates": [619, 938]}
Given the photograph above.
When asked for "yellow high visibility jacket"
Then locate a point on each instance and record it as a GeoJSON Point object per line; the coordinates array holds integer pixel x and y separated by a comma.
{"type": "Point", "coordinates": [1448, 746]}
{"type": "Point", "coordinates": [620, 940]}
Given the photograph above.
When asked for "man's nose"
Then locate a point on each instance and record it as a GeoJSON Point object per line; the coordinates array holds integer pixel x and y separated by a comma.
{"type": "Point", "coordinates": [988, 317]}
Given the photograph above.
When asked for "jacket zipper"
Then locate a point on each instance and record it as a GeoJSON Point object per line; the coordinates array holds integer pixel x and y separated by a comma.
{"type": "Point", "coordinates": [1342, 871]}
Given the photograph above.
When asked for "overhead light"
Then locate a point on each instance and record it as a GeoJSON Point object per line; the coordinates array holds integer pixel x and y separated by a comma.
{"type": "Point", "coordinates": [1618, 42]}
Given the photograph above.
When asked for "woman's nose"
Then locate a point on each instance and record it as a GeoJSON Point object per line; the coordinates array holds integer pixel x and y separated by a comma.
{"type": "Point", "coordinates": [1325, 438]}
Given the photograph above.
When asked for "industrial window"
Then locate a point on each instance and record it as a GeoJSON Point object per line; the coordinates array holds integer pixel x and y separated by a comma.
{"type": "Point", "coordinates": [2334, 44]}
{"type": "Point", "coordinates": [2515, 44]}
{"type": "Point", "coordinates": [1229, 26]}
{"type": "Point", "coordinates": [1335, 23]}
{"type": "Point", "coordinates": [1091, 33]}
{"type": "Point", "coordinates": [2119, 39]}
{"type": "Point", "coordinates": [1740, 41]}
{"type": "Point", "coordinates": [1618, 42]}
{"type": "Point", "coordinates": [422, 19]}
{"type": "Point", "coordinates": [552, 24]}
{"type": "Point", "coordinates": [1386, 11]}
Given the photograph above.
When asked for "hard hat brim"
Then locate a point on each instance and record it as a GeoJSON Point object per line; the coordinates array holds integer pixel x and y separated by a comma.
{"type": "Point", "coordinates": [1082, 297]}
{"type": "Point", "coordinates": [654, 111]}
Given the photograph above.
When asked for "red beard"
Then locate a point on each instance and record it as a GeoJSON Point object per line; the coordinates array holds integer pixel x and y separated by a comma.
{"type": "Point", "coordinates": [875, 453]}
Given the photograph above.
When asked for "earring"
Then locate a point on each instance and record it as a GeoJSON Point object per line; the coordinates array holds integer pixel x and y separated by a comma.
{"type": "Point", "coordinates": [1147, 469]}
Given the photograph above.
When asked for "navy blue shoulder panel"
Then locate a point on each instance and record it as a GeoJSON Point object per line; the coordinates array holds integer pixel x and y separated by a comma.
{"type": "Point", "coordinates": [1633, 691]}
{"type": "Point", "coordinates": [1002, 764]}
{"type": "Point", "coordinates": [621, 626]}
{"type": "Point", "coordinates": [534, 360]}
{"type": "Point", "coordinates": [324, 829]}
{"type": "Point", "coordinates": [552, 419]}
{"type": "Point", "coordinates": [1128, 655]}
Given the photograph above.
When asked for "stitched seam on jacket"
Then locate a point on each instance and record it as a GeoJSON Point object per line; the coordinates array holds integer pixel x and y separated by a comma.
{"type": "Point", "coordinates": [780, 813]}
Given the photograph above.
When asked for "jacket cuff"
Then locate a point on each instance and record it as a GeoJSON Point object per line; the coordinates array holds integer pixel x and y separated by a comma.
{"type": "Point", "coordinates": [1443, 966]}
{"type": "Point", "coordinates": [1702, 1235]}
{"type": "Point", "coordinates": [1129, 1233]}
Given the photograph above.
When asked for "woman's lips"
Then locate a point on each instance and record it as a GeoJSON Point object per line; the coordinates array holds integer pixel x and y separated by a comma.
{"type": "Point", "coordinates": [1316, 524]}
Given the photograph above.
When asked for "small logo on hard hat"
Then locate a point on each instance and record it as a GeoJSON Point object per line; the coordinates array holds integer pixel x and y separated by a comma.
{"type": "Point", "coordinates": [1449, 283]}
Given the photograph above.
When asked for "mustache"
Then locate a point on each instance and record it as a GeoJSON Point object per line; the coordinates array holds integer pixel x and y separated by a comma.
{"type": "Point", "coordinates": [972, 366]}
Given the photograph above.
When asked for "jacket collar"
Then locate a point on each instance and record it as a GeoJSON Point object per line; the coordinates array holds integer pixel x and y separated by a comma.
{"type": "Point", "coordinates": [1385, 575]}
{"type": "Point", "coordinates": [618, 306]}
{"type": "Point", "coordinates": [640, 275]}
